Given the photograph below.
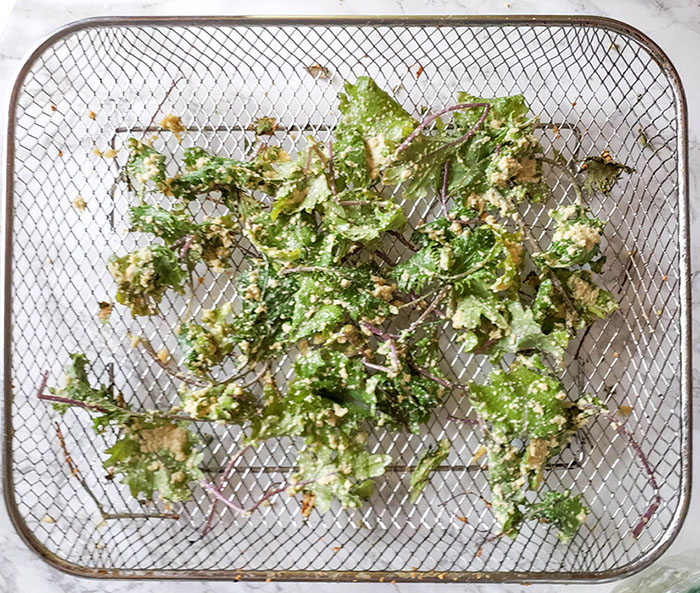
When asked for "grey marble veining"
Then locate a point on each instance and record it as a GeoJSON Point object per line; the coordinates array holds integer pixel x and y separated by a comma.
{"type": "Point", "coordinates": [675, 25]}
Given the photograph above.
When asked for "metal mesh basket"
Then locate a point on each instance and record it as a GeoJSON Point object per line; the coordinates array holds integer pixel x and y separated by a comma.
{"type": "Point", "coordinates": [597, 84]}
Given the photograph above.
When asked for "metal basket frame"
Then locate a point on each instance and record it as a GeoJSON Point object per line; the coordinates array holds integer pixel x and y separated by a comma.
{"type": "Point", "coordinates": [644, 556]}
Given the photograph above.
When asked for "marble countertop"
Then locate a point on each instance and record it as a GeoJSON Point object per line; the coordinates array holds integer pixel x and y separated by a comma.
{"type": "Point", "coordinates": [673, 24]}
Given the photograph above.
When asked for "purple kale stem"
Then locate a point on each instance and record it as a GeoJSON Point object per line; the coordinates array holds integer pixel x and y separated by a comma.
{"type": "Point", "coordinates": [377, 367]}
{"type": "Point", "coordinates": [622, 430]}
{"type": "Point", "coordinates": [431, 118]}
{"type": "Point", "coordinates": [470, 133]}
{"type": "Point", "coordinates": [331, 170]}
{"type": "Point", "coordinates": [70, 402]}
{"type": "Point", "coordinates": [394, 355]}
{"type": "Point", "coordinates": [42, 383]}
{"type": "Point", "coordinates": [218, 495]}
{"type": "Point", "coordinates": [439, 380]}
{"type": "Point", "coordinates": [403, 240]}
{"type": "Point", "coordinates": [186, 246]}
{"type": "Point", "coordinates": [267, 496]}
{"type": "Point", "coordinates": [222, 484]}
{"type": "Point", "coordinates": [443, 193]}
{"type": "Point", "coordinates": [380, 333]}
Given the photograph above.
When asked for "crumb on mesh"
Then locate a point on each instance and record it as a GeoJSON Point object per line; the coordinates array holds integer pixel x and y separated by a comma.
{"type": "Point", "coordinates": [174, 124]}
{"type": "Point", "coordinates": [80, 204]}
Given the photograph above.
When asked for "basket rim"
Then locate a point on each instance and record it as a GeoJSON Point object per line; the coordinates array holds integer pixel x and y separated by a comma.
{"type": "Point", "coordinates": [685, 411]}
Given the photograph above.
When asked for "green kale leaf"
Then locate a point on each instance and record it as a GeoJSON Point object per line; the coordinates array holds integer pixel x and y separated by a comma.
{"type": "Point", "coordinates": [428, 462]}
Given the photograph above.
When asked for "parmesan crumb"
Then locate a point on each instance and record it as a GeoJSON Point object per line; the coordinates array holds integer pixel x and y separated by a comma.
{"type": "Point", "coordinates": [80, 204]}
{"type": "Point", "coordinates": [172, 122]}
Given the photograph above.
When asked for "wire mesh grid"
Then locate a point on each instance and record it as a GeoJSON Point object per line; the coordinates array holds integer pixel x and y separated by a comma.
{"type": "Point", "coordinates": [596, 87]}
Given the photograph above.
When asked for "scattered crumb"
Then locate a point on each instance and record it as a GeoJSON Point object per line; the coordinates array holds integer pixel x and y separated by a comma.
{"type": "Point", "coordinates": [110, 153]}
{"type": "Point", "coordinates": [337, 548]}
{"type": "Point", "coordinates": [664, 278]}
{"type": "Point", "coordinates": [659, 312]}
{"type": "Point", "coordinates": [172, 122]}
{"type": "Point", "coordinates": [419, 71]}
{"type": "Point", "coordinates": [307, 504]}
{"type": "Point", "coordinates": [318, 71]}
{"type": "Point", "coordinates": [60, 153]}
{"type": "Point", "coordinates": [441, 576]}
{"type": "Point", "coordinates": [48, 519]}
{"type": "Point", "coordinates": [92, 114]}
{"type": "Point", "coordinates": [624, 410]}
{"type": "Point", "coordinates": [616, 355]}
{"type": "Point", "coordinates": [200, 280]}
{"type": "Point", "coordinates": [462, 519]}
{"type": "Point", "coordinates": [268, 580]}
{"type": "Point", "coordinates": [80, 204]}
{"type": "Point", "coordinates": [573, 104]}
{"type": "Point", "coordinates": [99, 546]}
{"type": "Point", "coordinates": [614, 46]}
{"type": "Point", "coordinates": [478, 454]}
{"type": "Point", "coordinates": [101, 524]}
{"type": "Point", "coordinates": [163, 355]}
{"type": "Point", "coordinates": [105, 311]}
{"type": "Point", "coordinates": [237, 577]}
{"type": "Point", "coordinates": [381, 579]}
{"type": "Point", "coordinates": [479, 552]}
{"type": "Point", "coordinates": [49, 261]}
{"type": "Point", "coordinates": [264, 126]}
{"type": "Point", "coordinates": [53, 107]}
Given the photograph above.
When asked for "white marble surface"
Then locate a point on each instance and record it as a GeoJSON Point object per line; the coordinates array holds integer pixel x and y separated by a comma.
{"type": "Point", "coordinates": [674, 24]}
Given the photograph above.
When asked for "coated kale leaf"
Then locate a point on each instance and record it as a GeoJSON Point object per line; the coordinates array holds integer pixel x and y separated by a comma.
{"type": "Point", "coordinates": [602, 173]}
{"type": "Point", "coordinates": [428, 462]}
{"type": "Point", "coordinates": [156, 456]}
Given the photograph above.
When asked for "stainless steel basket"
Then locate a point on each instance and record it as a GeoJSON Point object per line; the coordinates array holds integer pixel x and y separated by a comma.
{"type": "Point", "coordinates": [598, 84]}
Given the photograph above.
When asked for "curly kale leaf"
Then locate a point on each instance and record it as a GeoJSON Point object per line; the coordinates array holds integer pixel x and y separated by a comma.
{"type": "Point", "coordinates": [327, 296]}
{"type": "Point", "coordinates": [264, 126]}
{"type": "Point", "coordinates": [371, 116]}
{"type": "Point", "coordinates": [524, 334]}
{"type": "Point", "coordinates": [156, 456]}
{"type": "Point", "coordinates": [204, 173]}
{"type": "Point", "coordinates": [169, 225]}
{"type": "Point", "coordinates": [304, 185]}
{"type": "Point", "coordinates": [227, 403]}
{"type": "Point", "coordinates": [345, 475]}
{"type": "Point", "coordinates": [267, 305]}
{"type": "Point", "coordinates": [350, 158]}
{"type": "Point", "coordinates": [428, 462]}
{"type": "Point", "coordinates": [590, 301]}
{"type": "Point", "coordinates": [364, 221]}
{"type": "Point", "coordinates": [498, 166]}
{"type": "Point", "coordinates": [407, 396]}
{"type": "Point", "coordinates": [561, 509]}
{"type": "Point", "coordinates": [145, 164]}
{"type": "Point", "coordinates": [207, 344]}
{"type": "Point", "coordinates": [576, 238]}
{"type": "Point", "coordinates": [284, 238]}
{"type": "Point", "coordinates": [99, 400]}
{"type": "Point", "coordinates": [144, 276]}
{"type": "Point", "coordinates": [485, 256]}
{"type": "Point", "coordinates": [529, 420]}
{"type": "Point", "coordinates": [602, 172]}
{"type": "Point", "coordinates": [213, 240]}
